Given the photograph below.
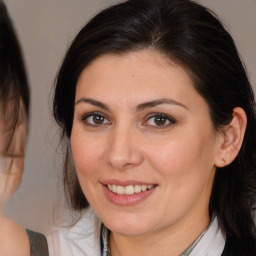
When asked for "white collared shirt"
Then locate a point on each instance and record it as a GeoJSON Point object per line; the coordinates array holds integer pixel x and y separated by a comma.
{"type": "Point", "coordinates": [212, 242]}
{"type": "Point", "coordinates": [83, 239]}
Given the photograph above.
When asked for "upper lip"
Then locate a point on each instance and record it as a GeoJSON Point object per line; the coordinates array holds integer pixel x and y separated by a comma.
{"type": "Point", "coordinates": [125, 182]}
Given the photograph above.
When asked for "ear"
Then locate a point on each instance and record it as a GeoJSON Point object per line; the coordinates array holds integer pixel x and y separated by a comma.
{"type": "Point", "coordinates": [232, 138]}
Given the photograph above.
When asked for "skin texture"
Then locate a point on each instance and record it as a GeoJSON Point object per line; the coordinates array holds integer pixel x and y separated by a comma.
{"type": "Point", "coordinates": [13, 239]}
{"type": "Point", "coordinates": [179, 156]}
{"type": "Point", "coordinates": [12, 161]}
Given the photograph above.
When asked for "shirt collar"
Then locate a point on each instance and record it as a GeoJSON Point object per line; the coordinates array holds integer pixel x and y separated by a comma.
{"type": "Point", "coordinates": [211, 242]}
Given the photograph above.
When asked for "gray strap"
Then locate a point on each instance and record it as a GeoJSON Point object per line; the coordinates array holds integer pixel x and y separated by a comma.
{"type": "Point", "coordinates": [38, 244]}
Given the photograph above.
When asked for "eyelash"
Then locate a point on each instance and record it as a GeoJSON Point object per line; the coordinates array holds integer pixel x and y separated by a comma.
{"type": "Point", "coordinates": [94, 114]}
{"type": "Point", "coordinates": [171, 120]}
{"type": "Point", "coordinates": [151, 116]}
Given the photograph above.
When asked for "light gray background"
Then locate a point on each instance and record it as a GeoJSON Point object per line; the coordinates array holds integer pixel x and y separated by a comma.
{"type": "Point", "coordinates": [45, 29]}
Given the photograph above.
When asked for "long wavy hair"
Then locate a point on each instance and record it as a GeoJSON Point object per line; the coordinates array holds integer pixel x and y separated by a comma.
{"type": "Point", "coordinates": [193, 37]}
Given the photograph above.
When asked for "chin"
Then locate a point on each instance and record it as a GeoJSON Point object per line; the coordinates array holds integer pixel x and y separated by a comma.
{"type": "Point", "coordinates": [129, 231]}
{"type": "Point", "coordinates": [129, 226]}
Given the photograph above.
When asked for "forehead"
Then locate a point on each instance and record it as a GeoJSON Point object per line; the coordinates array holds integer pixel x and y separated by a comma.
{"type": "Point", "coordinates": [141, 71]}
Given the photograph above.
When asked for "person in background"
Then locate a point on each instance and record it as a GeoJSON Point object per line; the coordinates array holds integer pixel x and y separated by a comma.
{"type": "Point", "coordinates": [14, 112]}
{"type": "Point", "coordinates": [158, 117]}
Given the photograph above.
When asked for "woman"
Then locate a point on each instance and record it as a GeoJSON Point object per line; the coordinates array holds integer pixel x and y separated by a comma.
{"type": "Point", "coordinates": [159, 119]}
{"type": "Point", "coordinates": [14, 102]}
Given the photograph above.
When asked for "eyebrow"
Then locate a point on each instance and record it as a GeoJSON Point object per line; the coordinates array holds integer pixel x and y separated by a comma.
{"type": "Point", "coordinates": [93, 102]}
{"type": "Point", "coordinates": [155, 103]}
{"type": "Point", "coordinates": [140, 107]}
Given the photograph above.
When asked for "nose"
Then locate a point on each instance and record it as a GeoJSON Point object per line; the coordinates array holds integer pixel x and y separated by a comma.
{"type": "Point", "coordinates": [123, 150]}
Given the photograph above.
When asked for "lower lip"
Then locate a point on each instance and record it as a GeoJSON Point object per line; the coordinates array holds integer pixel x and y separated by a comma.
{"type": "Point", "coordinates": [127, 200]}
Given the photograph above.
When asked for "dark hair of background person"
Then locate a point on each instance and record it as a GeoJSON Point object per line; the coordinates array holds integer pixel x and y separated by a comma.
{"type": "Point", "coordinates": [13, 80]}
{"type": "Point", "coordinates": [193, 37]}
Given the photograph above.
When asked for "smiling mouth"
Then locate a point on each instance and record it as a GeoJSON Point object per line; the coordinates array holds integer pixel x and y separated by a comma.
{"type": "Point", "coordinates": [129, 190]}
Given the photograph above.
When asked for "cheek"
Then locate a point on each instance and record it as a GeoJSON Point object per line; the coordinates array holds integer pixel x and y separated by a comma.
{"type": "Point", "coordinates": [86, 154]}
{"type": "Point", "coordinates": [184, 168]}
{"type": "Point", "coordinates": [184, 158]}
{"type": "Point", "coordinates": [87, 158]}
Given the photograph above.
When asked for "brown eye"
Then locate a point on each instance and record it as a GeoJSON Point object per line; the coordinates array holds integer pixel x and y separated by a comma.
{"type": "Point", "coordinates": [95, 119]}
{"type": "Point", "coordinates": [160, 120]}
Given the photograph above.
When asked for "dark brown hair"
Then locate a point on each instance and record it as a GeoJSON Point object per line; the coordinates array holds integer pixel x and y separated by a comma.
{"type": "Point", "coordinates": [193, 36]}
{"type": "Point", "coordinates": [13, 80]}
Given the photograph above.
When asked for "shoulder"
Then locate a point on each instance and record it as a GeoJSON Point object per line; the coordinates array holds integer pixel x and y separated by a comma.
{"type": "Point", "coordinates": [13, 239]}
{"type": "Point", "coordinates": [82, 238]}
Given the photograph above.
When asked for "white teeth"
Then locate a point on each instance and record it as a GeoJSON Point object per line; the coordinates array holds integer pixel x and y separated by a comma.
{"type": "Point", "coordinates": [137, 188]}
{"type": "Point", "coordinates": [130, 189]}
{"type": "Point", "coordinates": [144, 187]}
{"type": "Point", "coordinates": [114, 188]}
{"type": "Point", "coordinates": [150, 186]}
{"type": "Point", "coordinates": [120, 190]}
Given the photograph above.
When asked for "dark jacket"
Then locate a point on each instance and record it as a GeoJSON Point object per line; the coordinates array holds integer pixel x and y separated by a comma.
{"type": "Point", "coordinates": [236, 247]}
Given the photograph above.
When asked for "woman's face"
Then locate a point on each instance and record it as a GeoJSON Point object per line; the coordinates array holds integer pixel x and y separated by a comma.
{"type": "Point", "coordinates": [143, 143]}
{"type": "Point", "coordinates": [12, 156]}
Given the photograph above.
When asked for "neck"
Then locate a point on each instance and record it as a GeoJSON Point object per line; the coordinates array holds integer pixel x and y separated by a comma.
{"type": "Point", "coordinates": [165, 242]}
